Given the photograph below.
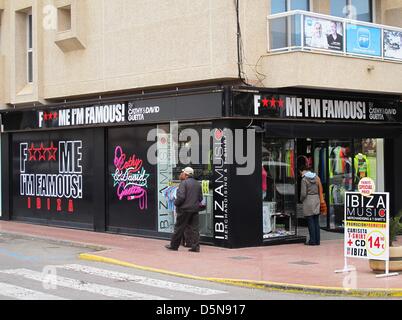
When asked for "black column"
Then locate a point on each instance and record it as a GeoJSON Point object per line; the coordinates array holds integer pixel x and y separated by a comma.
{"type": "Point", "coordinates": [99, 182]}
{"type": "Point", "coordinates": [6, 180]}
{"type": "Point", "coordinates": [245, 199]}
{"type": "Point", "coordinates": [237, 197]}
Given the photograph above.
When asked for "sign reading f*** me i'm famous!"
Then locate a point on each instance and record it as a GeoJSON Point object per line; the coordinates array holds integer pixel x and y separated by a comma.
{"type": "Point", "coordinates": [367, 226]}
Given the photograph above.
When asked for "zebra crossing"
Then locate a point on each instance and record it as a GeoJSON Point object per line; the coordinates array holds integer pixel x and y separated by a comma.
{"type": "Point", "coordinates": [160, 289]}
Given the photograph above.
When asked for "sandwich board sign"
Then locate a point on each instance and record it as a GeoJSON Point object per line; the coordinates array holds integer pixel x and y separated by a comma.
{"type": "Point", "coordinates": [366, 228]}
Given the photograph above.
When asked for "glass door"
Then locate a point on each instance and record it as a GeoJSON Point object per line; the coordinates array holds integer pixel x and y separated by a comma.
{"type": "Point", "coordinates": [320, 167]}
{"type": "Point", "coordinates": [340, 180]}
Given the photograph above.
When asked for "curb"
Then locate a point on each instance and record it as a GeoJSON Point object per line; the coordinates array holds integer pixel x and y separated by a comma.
{"type": "Point", "coordinates": [56, 241]}
{"type": "Point", "coordinates": [264, 285]}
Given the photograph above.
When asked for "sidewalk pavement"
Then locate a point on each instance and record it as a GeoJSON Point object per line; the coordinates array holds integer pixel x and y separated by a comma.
{"type": "Point", "coordinates": [291, 268]}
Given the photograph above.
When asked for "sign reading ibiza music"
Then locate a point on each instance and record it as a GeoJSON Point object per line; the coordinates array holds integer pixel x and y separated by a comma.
{"type": "Point", "coordinates": [367, 226]}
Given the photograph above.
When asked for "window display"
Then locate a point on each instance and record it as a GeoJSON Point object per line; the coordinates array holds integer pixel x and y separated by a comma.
{"type": "Point", "coordinates": [278, 187]}
{"type": "Point", "coordinates": [175, 152]}
{"type": "Point", "coordinates": [340, 179]}
{"type": "Point", "coordinates": [341, 164]}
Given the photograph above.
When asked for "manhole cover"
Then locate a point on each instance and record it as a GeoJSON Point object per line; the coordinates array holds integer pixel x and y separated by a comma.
{"type": "Point", "coordinates": [240, 258]}
{"type": "Point", "coordinates": [303, 263]}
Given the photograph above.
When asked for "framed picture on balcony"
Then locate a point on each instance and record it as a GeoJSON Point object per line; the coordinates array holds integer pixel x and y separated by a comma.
{"type": "Point", "coordinates": [363, 40]}
{"type": "Point", "coordinates": [323, 34]}
{"type": "Point", "coordinates": [393, 44]}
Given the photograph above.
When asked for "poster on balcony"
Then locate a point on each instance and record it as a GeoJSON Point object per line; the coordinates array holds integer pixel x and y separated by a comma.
{"type": "Point", "coordinates": [393, 44]}
{"type": "Point", "coordinates": [323, 34]}
{"type": "Point", "coordinates": [363, 40]}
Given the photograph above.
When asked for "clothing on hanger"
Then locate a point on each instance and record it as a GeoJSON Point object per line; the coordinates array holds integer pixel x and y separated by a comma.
{"type": "Point", "coordinates": [362, 167]}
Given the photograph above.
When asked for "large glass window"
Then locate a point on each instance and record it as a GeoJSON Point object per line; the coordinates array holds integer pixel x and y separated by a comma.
{"type": "Point", "coordinates": [278, 188]}
{"type": "Point", "coordinates": [278, 6]}
{"type": "Point", "coordinates": [353, 9]}
{"type": "Point", "coordinates": [176, 150]}
{"type": "Point", "coordinates": [341, 164]}
{"type": "Point", "coordinates": [279, 27]}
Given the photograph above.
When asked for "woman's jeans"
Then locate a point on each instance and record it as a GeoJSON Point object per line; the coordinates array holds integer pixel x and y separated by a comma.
{"type": "Point", "coordinates": [314, 229]}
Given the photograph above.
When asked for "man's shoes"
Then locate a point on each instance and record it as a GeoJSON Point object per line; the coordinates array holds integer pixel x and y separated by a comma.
{"type": "Point", "coordinates": [194, 250]}
{"type": "Point", "coordinates": [169, 247]}
{"type": "Point", "coordinates": [309, 244]}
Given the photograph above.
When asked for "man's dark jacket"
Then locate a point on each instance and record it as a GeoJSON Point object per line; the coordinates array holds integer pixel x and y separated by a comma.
{"type": "Point", "coordinates": [189, 196]}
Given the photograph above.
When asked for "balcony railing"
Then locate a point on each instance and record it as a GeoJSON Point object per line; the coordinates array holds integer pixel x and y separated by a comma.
{"type": "Point", "coordinates": [307, 31]}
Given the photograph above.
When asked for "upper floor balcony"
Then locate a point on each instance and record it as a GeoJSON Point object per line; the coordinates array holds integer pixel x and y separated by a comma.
{"type": "Point", "coordinates": [334, 53]}
{"type": "Point", "coordinates": [302, 30]}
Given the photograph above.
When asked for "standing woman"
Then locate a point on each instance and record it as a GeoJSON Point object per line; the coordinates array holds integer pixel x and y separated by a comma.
{"type": "Point", "coordinates": [310, 196]}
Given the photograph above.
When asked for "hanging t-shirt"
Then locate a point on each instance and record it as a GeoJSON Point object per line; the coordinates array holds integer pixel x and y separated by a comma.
{"type": "Point", "coordinates": [362, 166]}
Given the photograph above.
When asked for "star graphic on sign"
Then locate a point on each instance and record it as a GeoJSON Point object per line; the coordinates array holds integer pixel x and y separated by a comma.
{"type": "Point", "coordinates": [32, 153]}
{"type": "Point", "coordinates": [50, 116]}
{"type": "Point", "coordinates": [42, 152]}
{"type": "Point", "coordinates": [265, 102]}
{"type": "Point", "coordinates": [273, 102]}
{"type": "Point", "coordinates": [55, 115]}
{"type": "Point", "coordinates": [281, 103]}
{"type": "Point", "coordinates": [52, 152]}
{"type": "Point", "coordinates": [45, 117]}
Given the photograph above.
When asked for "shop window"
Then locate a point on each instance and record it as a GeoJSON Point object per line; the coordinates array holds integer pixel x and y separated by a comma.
{"type": "Point", "coordinates": [341, 164]}
{"type": "Point", "coordinates": [361, 10]}
{"type": "Point", "coordinates": [278, 188]}
{"type": "Point", "coordinates": [369, 161]}
{"type": "Point", "coordinates": [175, 152]}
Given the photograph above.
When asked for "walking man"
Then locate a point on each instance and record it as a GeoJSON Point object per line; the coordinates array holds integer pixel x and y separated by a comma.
{"type": "Point", "coordinates": [188, 199]}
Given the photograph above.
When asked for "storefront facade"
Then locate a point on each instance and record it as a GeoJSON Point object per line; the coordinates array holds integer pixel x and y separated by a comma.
{"type": "Point", "coordinates": [112, 166]}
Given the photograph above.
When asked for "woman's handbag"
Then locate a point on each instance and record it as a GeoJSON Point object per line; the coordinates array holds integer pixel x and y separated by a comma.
{"type": "Point", "coordinates": [323, 204]}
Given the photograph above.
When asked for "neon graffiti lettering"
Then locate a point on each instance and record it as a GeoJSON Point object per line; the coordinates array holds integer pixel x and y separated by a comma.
{"type": "Point", "coordinates": [130, 178]}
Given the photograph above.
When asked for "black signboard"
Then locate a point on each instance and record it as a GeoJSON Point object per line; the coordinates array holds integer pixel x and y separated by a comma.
{"type": "Point", "coordinates": [53, 177]}
{"type": "Point", "coordinates": [190, 107]}
{"type": "Point", "coordinates": [281, 106]}
{"type": "Point", "coordinates": [132, 180]}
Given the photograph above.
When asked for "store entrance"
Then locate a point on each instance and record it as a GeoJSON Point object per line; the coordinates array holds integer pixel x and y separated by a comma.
{"type": "Point", "coordinates": [340, 164]}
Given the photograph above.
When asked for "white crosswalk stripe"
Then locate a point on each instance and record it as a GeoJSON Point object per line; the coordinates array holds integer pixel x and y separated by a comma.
{"type": "Point", "coordinates": [19, 293]}
{"type": "Point", "coordinates": [141, 280]}
{"type": "Point", "coordinates": [83, 286]}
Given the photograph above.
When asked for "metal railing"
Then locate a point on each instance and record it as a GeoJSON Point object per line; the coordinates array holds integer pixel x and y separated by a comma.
{"type": "Point", "coordinates": [308, 31]}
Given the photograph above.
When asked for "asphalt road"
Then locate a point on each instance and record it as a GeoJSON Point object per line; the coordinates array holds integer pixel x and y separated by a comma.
{"type": "Point", "coordinates": [32, 269]}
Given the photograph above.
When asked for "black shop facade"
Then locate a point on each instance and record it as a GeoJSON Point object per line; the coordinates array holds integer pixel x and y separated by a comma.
{"type": "Point", "coordinates": [113, 165]}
